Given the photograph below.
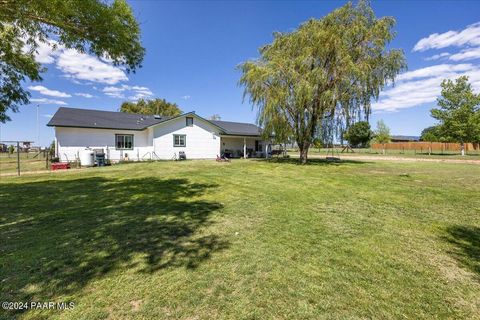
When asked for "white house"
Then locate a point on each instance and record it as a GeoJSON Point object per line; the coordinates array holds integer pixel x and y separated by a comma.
{"type": "Point", "coordinates": [124, 136]}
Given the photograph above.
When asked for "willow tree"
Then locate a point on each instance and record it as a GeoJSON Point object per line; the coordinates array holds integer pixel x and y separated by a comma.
{"type": "Point", "coordinates": [327, 66]}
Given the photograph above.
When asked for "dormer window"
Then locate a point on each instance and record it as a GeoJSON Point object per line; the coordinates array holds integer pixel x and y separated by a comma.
{"type": "Point", "coordinates": [189, 121]}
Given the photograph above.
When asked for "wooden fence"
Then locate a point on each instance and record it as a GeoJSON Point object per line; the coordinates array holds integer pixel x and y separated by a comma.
{"type": "Point", "coordinates": [426, 146]}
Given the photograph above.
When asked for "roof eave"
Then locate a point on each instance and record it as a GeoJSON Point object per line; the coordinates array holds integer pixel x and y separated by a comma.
{"type": "Point", "coordinates": [89, 127]}
{"type": "Point", "coordinates": [242, 134]}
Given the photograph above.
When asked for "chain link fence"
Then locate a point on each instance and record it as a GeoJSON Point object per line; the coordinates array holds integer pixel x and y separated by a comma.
{"type": "Point", "coordinates": [17, 157]}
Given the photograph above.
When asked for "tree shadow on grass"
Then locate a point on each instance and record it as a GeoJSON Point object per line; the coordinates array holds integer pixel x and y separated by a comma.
{"type": "Point", "coordinates": [315, 161]}
{"type": "Point", "coordinates": [56, 236]}
{"type": "Point", "coordinates": [466, 246]}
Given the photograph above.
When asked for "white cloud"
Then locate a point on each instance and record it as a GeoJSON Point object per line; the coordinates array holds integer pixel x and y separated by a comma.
{"type": "Point", "coordinates": [78, 66]}
{"type": "Point", "coordinates": [85, 95]}
{"type": "Point", "coordinates": [44, 52]}
{"type": "Point", "coordinates": [422, 86]}
{"type": "Point", "coordinates": [137, 96]}
{"type": "Point", "coordinates": [114, 92]}
{"type": "Point", "coordinates": [470, 36]}
{"type": "Point", "coordinates": [185, 97]}
{"type": "Point", "coordinates": [47, 115]}
{"type": "Point", "coordinates": [82, 66]}
{"type": "Point", "coordinates": [48, 101]}
{"type": "Point", "coordinates": [134, 92]}
{"type": "Point", "coordinates": [48, 92]}
{"type": "Point", "coordinates": [441, 69]}
{"type": "Point", "coordinates": [142, 92]}
{"type": "Point", "coordinates": [466, 54]}
{"type": "Point", "coordinates": [437, 56]}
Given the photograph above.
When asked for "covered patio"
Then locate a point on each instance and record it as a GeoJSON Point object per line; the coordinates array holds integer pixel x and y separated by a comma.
{"type": "Point", "coordinates": [243, 146]}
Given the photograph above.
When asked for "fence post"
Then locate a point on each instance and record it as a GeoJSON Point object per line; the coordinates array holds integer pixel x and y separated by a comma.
{"type": "Point", "coordinates": [18, 158]}
{"type": "Point", "coordinates": [46, 158]}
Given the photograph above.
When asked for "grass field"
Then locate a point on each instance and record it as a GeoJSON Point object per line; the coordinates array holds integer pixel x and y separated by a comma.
{"type": "Point", "coordinates": [322, 152]}
{"type": "Point", "coordinates": [244, 240]}
{"type": "Point", "coordinates": [28, 162]}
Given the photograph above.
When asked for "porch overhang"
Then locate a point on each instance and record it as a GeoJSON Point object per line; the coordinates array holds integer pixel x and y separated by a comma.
{"type": "Point", "coordinates": [240, 136]}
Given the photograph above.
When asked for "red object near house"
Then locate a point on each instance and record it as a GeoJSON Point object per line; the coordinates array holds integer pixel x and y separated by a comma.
{"type": "Point", "coordinates": [60, 166]}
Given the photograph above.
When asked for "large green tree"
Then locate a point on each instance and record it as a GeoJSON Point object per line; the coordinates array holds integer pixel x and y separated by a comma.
{"type": "Point", "coordinates": [327, 66]}
{"type": "Point", "coordinates": [105, 29]}
{"type": "Point", "coordinates": [359, 134]}
{"type": "Point", "coordinates": [153, 106]}
{"type": "Point", "coordinates": [458, 112]}
{"type": "Point", "coordinates": [432, 134]}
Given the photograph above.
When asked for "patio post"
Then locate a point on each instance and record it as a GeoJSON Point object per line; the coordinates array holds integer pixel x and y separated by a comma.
{"type": "Point", "coordinates": [245, 148]}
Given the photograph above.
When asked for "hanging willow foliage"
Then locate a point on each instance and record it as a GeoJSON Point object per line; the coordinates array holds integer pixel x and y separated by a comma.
{"type": "Point", "coordinates": [327, 66]}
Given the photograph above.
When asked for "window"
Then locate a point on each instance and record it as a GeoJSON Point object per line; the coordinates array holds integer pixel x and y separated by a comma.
{"type": "Point", "coordinates": [179, 140]}
{"type": "Point", "coordinates": [258, 146]}
{"type": "Point", "coordinates": [189, 121]}
{"type": "Point", "coordinates": [124, 141]}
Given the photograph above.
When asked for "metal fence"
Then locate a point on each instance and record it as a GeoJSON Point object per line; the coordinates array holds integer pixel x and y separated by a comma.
{"type": "Point", "coordinates": [15, 158]}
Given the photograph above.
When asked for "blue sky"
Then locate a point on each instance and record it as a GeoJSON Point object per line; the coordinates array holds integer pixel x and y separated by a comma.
{"type": "Point", "coordinates": [192, 49]}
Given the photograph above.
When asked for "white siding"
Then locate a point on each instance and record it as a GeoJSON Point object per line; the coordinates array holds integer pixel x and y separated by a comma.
{"type": "Point", "coordinates": [71, 141]}
{"type": "Point", "coordinates": [202, 139]}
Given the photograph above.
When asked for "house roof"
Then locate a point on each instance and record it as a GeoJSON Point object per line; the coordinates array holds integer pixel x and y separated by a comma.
{"type": "Point", "coordinates": [405, 138]}
{"type": "Point", "coordinates": [87, 118]}
{"type": "Point", "coordinates": [238, 128]}
{"type": "Point", "coordinates": [84, 118]}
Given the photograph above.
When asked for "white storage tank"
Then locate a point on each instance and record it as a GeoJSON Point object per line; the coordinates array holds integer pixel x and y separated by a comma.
{"type": "Point", "coordinates": [87, 158]}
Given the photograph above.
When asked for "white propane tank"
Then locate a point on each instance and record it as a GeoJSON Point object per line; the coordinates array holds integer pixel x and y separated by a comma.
{"type": "Point", "coordinates": [87, 158]}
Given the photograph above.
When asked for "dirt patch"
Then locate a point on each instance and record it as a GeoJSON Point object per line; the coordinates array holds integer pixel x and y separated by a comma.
{"type": "Point", "coordinates": [135, 305]}
{"type": "Point", "coordinates": [375, 158]}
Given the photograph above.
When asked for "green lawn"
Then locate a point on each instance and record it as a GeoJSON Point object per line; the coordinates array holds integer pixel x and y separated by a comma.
{"type": "Point", "coordinates": [244, 240]}
{"type": "Point", "coordinates": [323, 152]}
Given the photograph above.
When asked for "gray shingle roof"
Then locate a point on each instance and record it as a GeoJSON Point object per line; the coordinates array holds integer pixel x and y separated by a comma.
{"type": "Point", "coordinates": [86, 118]}
{"type": "Point", "coordinates": [238, 128]}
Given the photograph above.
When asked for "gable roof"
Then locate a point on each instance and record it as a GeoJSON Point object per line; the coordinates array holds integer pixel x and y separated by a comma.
{"type": "Point", "coordinates": [87, 118]}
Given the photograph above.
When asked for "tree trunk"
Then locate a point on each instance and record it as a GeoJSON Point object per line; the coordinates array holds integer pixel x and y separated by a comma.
{"type": "Point", "coordinates": [303, 153]}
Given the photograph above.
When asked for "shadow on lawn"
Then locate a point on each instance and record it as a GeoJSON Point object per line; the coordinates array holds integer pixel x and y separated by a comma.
{"type": "Point", "coordinates": [56, 236]}
{"type": "Point", "coordinates": [466, 242]}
